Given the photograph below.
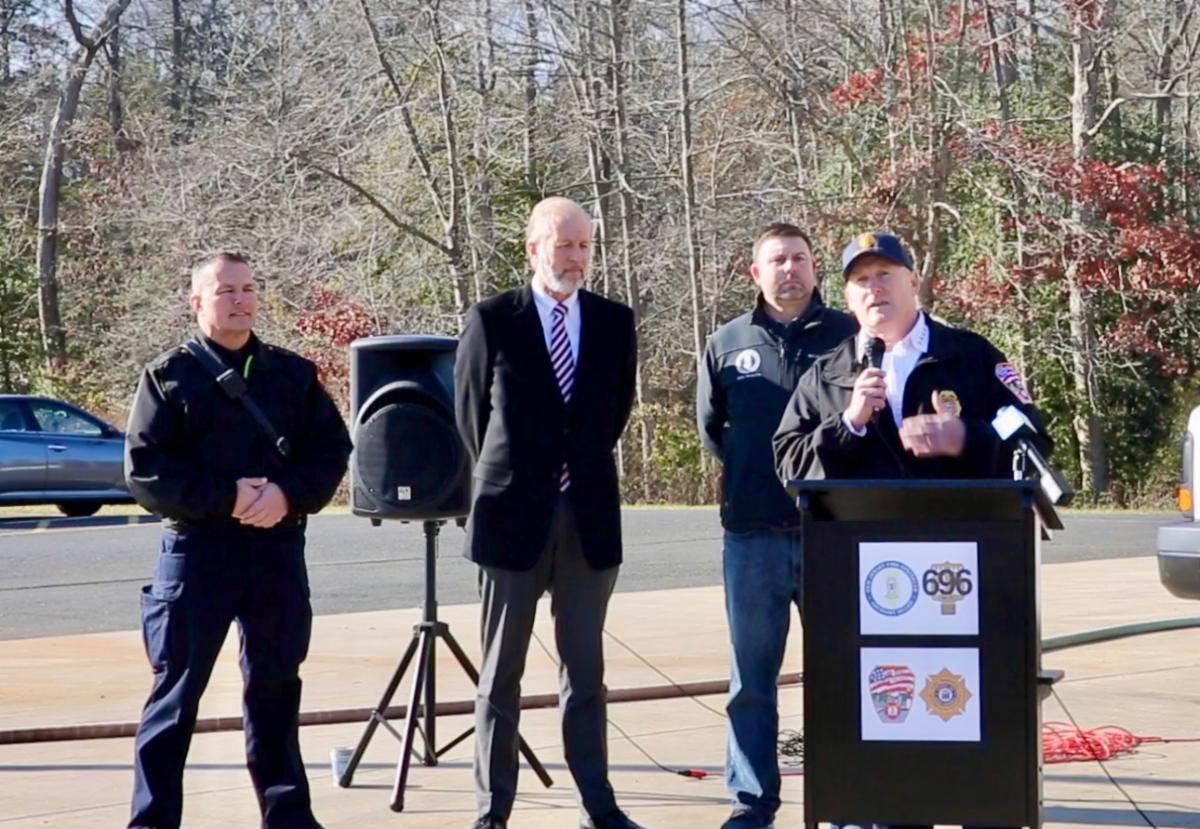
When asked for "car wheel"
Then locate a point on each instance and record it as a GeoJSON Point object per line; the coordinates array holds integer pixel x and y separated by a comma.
{"type": "Point", "coordinates": [79, 509]}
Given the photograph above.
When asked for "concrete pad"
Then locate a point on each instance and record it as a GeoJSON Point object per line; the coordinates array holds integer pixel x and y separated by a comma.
{"type": "Point", "coordinates": [1147, 684]}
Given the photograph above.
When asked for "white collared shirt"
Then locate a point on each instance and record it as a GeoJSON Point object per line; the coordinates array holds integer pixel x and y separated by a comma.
{"type": "Point", "coordinates": [898, 364]}
{"type": "Point", "coordinates": [545, 307]}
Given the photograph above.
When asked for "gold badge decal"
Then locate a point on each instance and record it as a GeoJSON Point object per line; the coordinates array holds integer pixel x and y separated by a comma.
{"type": "Point", "coordinates": [945, 694]}
{"type": "Point", "coordinates": [947, 402]}
{"type": "Point", "coordinates": [866, 241]}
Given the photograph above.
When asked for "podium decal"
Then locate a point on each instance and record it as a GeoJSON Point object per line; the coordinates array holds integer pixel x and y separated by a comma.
{"type": "Point", "coordinates": [892, 690]}
{"type": "Point", "coordinates": [945, 709]}
{"type": "Point", "coordinates": [918, 588]}
{"type": "Point", "coordinates": [946, 694]}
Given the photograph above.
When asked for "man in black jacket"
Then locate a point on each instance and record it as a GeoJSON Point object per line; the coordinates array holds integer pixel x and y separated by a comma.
{"type": "Point", "coordinates": [924, 412]}
{"type": "Point", "coordinates": [544, 381]}
{"type": "Point", "coordinates": [751, 365]}
{"type": "Point", "coordinates": [234, 510]}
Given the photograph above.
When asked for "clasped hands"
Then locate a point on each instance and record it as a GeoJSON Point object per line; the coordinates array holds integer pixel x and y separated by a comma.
{"type": "Point", "coordinates": [260, 503]}
{"type": "Point", "coordinates": [925, 436]}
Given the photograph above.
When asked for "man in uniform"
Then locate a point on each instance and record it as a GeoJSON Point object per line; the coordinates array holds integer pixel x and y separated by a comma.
{"type": "Point", "coordinates": [750, 367]}
{"type": "Point", "coordinates": [543, 384]}
{"type": "Point", "coordinates": [924, 412]}
{"type": "Point", "coordinates": [234, 504]}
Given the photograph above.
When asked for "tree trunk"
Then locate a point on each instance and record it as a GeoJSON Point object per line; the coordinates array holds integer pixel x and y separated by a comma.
{"type": "Point", "coordinates": [479, 211]}
{"type": "Point", "coordinates": [617, 16]}
{"type": "Point", "coordinates": [1089, 435]}
{"type": "Point", "coordinates": [6, 21]}
{"type": "Point", "coordinates": [116, 110]}
{"type": "Point", "coordinates": [685, 168]}
{"type": "Point", "coordinates": [178, 57]}
{"type": "Point", "coordinates": [1004, 72]}
{"type": "Point", "coordinates": [54, 338]}
{"type": "Point", "coordinates": [451, 222]}
{"type": "Point", "coordinates": [531, 62]}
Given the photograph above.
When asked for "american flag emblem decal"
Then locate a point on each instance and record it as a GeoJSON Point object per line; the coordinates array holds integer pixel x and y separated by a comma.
{"type": "Point", "coordinates": [892, 688]}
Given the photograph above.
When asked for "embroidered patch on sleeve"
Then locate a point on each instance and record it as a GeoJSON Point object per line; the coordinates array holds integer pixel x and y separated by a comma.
{"type": "Point", "coordinates": [1007, 374]}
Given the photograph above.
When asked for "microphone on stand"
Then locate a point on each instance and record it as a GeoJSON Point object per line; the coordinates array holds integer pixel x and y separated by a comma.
{"type": "Point", "coordinates": [1011, 423]}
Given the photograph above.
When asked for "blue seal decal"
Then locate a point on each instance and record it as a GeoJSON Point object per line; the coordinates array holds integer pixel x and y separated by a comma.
{"type": "Point", "coordinates": [891, 588]}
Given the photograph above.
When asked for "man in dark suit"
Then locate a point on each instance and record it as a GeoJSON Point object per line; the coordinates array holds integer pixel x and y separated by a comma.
{"type": "Point", "coordinates": [544, 385]}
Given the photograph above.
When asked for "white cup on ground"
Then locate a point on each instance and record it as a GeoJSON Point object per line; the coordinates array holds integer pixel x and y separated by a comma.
{"type": "Point", "coordinates": [339, 758]}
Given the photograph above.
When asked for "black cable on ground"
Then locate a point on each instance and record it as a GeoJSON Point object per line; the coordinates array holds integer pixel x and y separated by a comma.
{"type": "Point", "coordinates": [664, 675]}
{"type": "Point", "coordinates": [693, 773]}
{"type": "Point", "coordinates": [1101, 763]}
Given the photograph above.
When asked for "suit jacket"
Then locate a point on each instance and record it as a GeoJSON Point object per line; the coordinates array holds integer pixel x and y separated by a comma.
{"type": "Point", "coordinates": [519, 431]}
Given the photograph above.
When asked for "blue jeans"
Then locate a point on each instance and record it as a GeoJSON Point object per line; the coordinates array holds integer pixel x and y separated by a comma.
{"type": "Point", "coordinates": [762, 581]}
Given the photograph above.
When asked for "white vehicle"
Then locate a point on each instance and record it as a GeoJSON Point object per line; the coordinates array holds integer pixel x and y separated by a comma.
{"type": "Point", "coordinates": [1179, 543]}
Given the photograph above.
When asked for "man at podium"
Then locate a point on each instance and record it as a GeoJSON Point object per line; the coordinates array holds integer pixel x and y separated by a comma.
{"type": "Point", "coordinates": [907, 396]}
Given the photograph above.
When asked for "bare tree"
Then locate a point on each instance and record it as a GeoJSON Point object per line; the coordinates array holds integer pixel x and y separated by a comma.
{"type": "Point", "coordinates": [54, 339]}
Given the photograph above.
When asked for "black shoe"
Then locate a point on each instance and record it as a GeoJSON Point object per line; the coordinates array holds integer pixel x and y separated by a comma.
{"type": "Point", "coordinates": [747, 817]}
{"type": "Point", "coordinates": [490, 822]}
{"type": "Point", "coordinates": [616, 819]}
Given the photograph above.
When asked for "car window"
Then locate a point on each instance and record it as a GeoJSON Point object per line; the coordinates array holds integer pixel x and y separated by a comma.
{"type": "Point", "coordinates": [52, 418]}
{"type": "Point", "coordinates": [11, 419]}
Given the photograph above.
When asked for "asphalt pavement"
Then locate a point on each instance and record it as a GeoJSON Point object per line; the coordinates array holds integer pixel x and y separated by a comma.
{"type": "Point", "coordinates": [65, 576]}
{"type": "Point", "coordinates": [62, 576]}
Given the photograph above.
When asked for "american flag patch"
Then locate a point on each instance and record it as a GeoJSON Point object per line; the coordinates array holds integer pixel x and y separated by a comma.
{"type": "Point", "coordinates": [1007, 374]}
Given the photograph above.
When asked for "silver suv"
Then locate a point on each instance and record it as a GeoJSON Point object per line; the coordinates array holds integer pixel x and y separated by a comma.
{"type": "Point", "coordinates": [54, 453]}
{"type": "Point", "coordinates": [1179, 542]}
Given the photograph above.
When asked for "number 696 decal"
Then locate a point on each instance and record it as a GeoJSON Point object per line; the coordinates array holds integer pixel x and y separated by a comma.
{"type": "Point", "coordinates": [947, 583]}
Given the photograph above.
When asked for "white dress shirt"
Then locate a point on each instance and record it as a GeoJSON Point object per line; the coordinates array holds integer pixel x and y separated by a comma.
{"type": "Point", "coordinates": [545, 307]}
{"type": "Point", "coordinates": [898, 363]}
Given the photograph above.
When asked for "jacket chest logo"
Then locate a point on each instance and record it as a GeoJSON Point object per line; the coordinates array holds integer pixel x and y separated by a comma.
{"type": "Point", "coordinates": [747, 361]}
{"type": "Point", "coordinates": [947, 403]}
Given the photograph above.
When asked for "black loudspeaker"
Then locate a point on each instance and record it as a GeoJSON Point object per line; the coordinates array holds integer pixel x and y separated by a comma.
{"type": "Point", "coordinates": [409, 462]}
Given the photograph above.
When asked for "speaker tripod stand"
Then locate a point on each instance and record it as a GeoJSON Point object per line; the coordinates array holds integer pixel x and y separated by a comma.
{"type": "Point", "coordinates": [423, 648]}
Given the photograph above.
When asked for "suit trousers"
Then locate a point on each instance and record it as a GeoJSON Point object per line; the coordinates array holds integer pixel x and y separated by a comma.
{"type": "Point", "coordinates": [579, 598]}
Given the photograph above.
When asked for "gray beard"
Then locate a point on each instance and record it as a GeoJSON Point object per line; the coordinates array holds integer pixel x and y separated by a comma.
{"type": "Point", "coordinates": [558, 284]}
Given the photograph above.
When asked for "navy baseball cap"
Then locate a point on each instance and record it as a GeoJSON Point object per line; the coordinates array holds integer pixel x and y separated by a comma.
{"type": "Point", "coordinates": [878, 243]}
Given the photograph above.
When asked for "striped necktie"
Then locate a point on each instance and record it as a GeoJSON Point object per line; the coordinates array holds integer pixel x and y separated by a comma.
{"type": "Point", "coordinates": [564, 369]}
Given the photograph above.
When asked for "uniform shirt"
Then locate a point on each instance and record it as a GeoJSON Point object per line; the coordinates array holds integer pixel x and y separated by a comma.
{"type": "Point", "coordinates": [188, 442]}
{"type": "Point", "coordinates": [545, 308]}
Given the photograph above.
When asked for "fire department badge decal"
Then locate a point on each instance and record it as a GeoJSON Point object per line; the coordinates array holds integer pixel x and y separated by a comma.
{"type": "Point", "coordinates": [891, 588]}
{"type": "Point", "coordinates": [945, 694]}
{"type": "Point", "coordinates": [892, 688]}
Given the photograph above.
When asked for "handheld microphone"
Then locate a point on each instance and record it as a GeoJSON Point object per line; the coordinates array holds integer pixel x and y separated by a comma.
{"type": "Point", "coordinates": [875, 349]}
{"type": "Point", "coordinates": [1011, 423]}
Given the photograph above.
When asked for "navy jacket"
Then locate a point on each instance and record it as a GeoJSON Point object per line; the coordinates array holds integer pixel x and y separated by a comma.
{"type": "Point", "coordinates": [750, 367]}
{"type": "Point", "coordinates": [188, 442]}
